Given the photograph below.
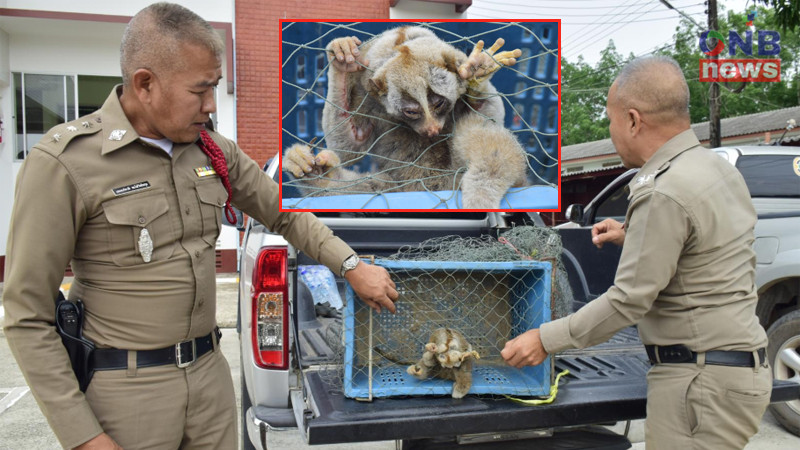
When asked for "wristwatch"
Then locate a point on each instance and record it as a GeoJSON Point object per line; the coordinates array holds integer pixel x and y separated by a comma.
{"type": "Point", "coordinates": [349, 264]}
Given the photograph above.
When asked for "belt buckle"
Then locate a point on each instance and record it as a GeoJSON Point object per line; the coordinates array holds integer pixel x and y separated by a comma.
{"type": "Point", "coordinates": [179, 354]}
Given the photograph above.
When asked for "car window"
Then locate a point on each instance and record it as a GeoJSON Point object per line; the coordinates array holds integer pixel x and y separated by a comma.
{"type": "Point", "coordinates": [771, 175]}
{"type": "Point", "coordinates": [614, 206]}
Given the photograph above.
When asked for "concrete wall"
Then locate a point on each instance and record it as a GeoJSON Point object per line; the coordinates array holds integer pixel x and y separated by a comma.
{"type": "Point", "coordinates": [7, 146]}
{"type": "Point", "coordinates": [412, 9]}
{"type": "Point", "coordinates": [211, 10]}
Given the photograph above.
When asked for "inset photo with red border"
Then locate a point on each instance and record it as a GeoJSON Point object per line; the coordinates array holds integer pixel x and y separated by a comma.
{"type": "Point", "coordinates": [415, 116]}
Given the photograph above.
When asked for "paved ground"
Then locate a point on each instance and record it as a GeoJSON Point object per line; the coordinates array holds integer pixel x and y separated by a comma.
{"type": "Point", "coordinates": [23, 427]}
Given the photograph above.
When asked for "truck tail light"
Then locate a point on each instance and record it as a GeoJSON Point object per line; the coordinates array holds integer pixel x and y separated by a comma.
{"type": "Point", "coordinates": [271, 309]}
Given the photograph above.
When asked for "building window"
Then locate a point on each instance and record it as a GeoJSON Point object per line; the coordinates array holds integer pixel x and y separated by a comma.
{"type": "Point", "coordinates": [44, 101]}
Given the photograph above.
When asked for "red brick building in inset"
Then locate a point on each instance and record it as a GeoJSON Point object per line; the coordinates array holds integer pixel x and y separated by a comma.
{"type": "Point", "coordinates": [258, 63]}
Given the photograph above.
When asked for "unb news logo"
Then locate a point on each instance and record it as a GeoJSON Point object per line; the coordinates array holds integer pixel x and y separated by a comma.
{"type": "Point", "coordinates": [732, 70]}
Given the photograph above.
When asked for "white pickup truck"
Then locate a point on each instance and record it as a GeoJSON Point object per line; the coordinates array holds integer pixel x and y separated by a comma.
{"type": "Point", "coordinates": [288, 345]}
{"type": "Point", "coordinates": [772, 174]}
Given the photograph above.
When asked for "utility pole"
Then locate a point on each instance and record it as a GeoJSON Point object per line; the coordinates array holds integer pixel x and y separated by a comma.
{"type": "Point", "coordinates": [715, 134]}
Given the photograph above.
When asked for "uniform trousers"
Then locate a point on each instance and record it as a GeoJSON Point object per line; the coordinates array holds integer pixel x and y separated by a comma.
{"type": "Point", "coordinates": [703, 406]}
{"type": "Point", "coordinates": [166, 407]}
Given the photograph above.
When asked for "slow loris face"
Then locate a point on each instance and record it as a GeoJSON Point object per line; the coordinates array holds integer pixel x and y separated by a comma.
{"type": "Point", "coordinates": [426, 116]}
{"type": "Point", "coordinates": [418, 87]}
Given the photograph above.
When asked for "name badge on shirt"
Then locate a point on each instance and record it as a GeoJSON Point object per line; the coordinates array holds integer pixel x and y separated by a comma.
{"type": "Point", "coordinates": [122, 190]}
{"type": "Point", "coordinates": [205, 171]}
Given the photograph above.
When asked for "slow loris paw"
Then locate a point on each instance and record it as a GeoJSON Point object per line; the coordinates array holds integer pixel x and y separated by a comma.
{"type": "Point", "coordinates": [463, 381]}
{"type": "Point", "coordinates": [460, 389]}
{"type": "Point", "coordinates": [344, 55]}
{"type": "Point", "coordinates": [481, 65]}
{"type": "Point", "coordinates": [417, 371]}
{"type": "Point", "coordinates": [298, 160]}
{"type": "Point", "coordinates": [325, 161]}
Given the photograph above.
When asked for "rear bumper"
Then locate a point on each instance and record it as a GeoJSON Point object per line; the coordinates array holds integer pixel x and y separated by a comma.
{"type": "Point", "coordinates": [260, 421]}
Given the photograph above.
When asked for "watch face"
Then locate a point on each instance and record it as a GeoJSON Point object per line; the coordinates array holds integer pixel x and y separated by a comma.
{"type": "Point", "coordinates": [349, 264]}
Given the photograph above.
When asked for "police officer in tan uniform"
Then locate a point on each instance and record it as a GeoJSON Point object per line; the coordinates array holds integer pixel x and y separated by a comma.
{"type": "Point", "coordinates": [128, 195]}
{"type": "Point", "coordinates": [686, 274]}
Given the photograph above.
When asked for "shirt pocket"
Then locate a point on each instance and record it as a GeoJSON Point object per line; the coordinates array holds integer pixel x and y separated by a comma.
{"type": "Point", "coordinates": [212, 196]}
{"type": "Point", "coordinates": [127, 218]}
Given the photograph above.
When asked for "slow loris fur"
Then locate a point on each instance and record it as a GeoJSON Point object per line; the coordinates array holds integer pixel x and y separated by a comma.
{"type": "Point", "coordinates": [427, 114]}
{"type": "Point", "coordinates": [447, 355]}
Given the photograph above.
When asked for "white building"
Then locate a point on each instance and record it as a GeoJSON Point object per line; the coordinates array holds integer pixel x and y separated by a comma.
{"type": "Point", "coordinates": [59, 60]}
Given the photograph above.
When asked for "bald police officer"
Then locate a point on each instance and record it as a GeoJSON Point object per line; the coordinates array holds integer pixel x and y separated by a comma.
{"type": "Point", "coordinates": [129, 196]}
{"type": "Point", "coordinates": [686, 274]}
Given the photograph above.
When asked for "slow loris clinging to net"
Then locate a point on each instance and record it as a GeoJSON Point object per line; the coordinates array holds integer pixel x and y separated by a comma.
{"type": "Point", "coordinates": [447, 355]}
{"type": "Point", "coordinates": [423, 110]}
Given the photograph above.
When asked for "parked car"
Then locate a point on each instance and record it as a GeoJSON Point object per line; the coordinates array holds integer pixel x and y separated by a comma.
{"type": "Point", "coordinates": [772, 174]}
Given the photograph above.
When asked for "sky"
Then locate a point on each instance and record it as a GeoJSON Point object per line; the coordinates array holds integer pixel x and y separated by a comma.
{"type": "Point", "coordinates": [636, 26]}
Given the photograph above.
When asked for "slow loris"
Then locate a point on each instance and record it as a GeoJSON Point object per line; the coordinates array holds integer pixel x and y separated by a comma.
{"type": "Point", "coordinates": [426, 113]}
{"type": "Point", "coordinates": [447, 355]}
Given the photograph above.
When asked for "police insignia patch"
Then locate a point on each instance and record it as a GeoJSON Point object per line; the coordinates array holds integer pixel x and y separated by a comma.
{"type": "Point", "coordinates": [71, 128]}
{"type": "Point", "coordinates": [116, 135]}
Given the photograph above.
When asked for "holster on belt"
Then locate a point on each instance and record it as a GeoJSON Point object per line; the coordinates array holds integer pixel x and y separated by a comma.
{"type": "Point", "coordinates": [69, 324]}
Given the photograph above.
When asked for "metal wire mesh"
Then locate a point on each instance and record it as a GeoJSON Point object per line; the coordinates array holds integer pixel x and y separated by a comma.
{"type": "Point", "coordinates": [529, 93]}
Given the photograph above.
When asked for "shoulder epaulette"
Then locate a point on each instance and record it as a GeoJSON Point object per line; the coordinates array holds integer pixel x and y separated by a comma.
{"type": "Point", "coordinates": [58, 138]}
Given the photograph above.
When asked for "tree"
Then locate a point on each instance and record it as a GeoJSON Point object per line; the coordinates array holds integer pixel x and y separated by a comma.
{"type": "Point", "coordinates": [583, 100]}
{"type": "Point", "coordinates": [787, 13]}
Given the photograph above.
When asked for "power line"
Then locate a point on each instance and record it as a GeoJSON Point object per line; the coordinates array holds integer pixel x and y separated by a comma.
{"type": "Point", "coordinates": [594, 26]}
{"type": "Point", "coordinates": [665, 2]}
{"type": "Point", "coordinates": [606, 34]}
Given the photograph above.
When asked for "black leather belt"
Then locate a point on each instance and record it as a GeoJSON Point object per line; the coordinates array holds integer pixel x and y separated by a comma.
{"type": "Point", "coordinates": [672, 354]}
{"type": "Point", "coordinates": [182, 354]}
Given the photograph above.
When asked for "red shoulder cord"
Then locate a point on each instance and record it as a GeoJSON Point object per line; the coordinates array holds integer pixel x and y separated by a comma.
{"type": "Point", "coordinates": [214, 153]}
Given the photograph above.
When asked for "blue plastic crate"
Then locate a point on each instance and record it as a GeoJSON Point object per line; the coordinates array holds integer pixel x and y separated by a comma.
{"type": "Point", "coordinates": [488, 302]}
{"type": "Point", "coordinates": [532, 108]}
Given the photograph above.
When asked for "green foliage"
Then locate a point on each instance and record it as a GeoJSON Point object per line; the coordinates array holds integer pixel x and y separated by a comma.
{"type": "Point", "coordinates": [787, 13]}
{"type": "Point", "coordinates": [583, 100]}
{"type": "Point", "coordinates": [584, 88]}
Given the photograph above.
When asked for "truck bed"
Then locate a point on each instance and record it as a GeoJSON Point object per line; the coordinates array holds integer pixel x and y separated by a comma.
{"type": "Point", "coordinates": [604, 388]}
{"type": "Point", "coordinates": [606, 384]}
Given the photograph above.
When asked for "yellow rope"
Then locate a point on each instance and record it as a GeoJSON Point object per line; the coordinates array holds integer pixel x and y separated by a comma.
{"type": "Point", "coordinates": [541, 401]}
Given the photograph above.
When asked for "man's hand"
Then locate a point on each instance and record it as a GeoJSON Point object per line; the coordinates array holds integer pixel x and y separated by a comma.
{"type": "Point", "coordinates": [373, 285]}
{"type": "Point", "coordinates": [100, 442]}
{"type": "Point", "coordinates": [608, 230]}
{"type": "Point", "coordinates": [524, 350]}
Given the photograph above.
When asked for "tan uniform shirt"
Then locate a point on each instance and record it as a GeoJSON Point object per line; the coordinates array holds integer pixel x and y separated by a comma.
{"type": "Point", "coordinates": [85, 193]}
{"type": "Point", "coordinates": [687, 270]}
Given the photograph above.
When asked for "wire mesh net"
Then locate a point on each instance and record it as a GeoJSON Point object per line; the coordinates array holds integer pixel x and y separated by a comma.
{"type": "Point", "coordinates": [461, 300]}
{"type": "Point", "coordinates": [526, 93]}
